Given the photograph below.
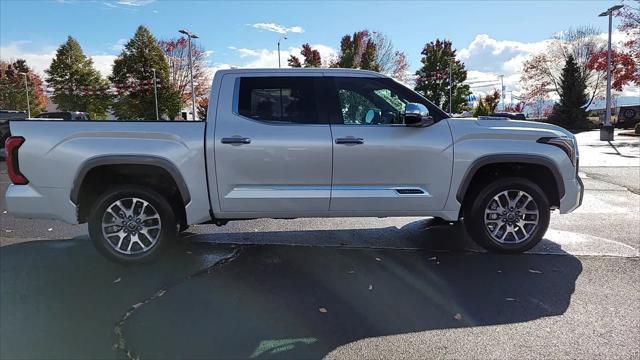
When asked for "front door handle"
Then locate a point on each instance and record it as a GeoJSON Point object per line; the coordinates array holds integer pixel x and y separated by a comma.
{"type": "Point", "coordinates": [350, 141]}
{"type": "Point", "coordinates": [236, 140]}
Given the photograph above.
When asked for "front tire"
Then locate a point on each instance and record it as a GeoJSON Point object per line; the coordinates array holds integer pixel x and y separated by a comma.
{"type": "Point", "coordinates": [131, 224]}
{"type": "Point", "coordinates": [509, 215]}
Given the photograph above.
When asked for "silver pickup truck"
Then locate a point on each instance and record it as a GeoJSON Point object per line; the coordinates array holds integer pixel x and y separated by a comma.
{"type": "Point", "coordinates": [294, 143]}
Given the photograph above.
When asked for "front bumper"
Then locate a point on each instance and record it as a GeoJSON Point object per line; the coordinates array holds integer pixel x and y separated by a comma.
{"type": "Point", "coordinates": [573, 195]}
{"type": "Point", "coordinates": [42, 203]}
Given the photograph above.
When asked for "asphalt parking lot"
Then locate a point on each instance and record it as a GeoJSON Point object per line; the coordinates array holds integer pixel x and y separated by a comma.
{"type": "Point", "coordinates": [337, 288]}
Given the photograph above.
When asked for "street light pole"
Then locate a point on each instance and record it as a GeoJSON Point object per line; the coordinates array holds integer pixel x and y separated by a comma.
{"type": "Point", "coordinates": [279, 40]}
{"type": "Point", "coordinates": [155, 93]}
{"type": "Point", "coordinates": [26, 90]}
{"type": "Point", "coordinates": [450, 83]}
{"type": "Point", "coordinates": [606, 133]}
{"type": "Point", "coordinates": [501, 91]}
{"type": "Point", "coordinates": [193, 94]}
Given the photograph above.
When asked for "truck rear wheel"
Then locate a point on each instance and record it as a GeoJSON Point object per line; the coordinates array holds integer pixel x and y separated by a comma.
{"type": "Point", "coordinates": [131, 224]}
{"type": "Point", "coordinates": [509, 215]}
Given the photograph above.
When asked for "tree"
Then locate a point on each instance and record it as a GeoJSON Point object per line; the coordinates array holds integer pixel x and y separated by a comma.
{"type": "Point", "coordinates": [133, 75]}
{"type": "Point", "coordinates": [12, 89]}
{"type": "Point", "coordinates": [542, 71]}
{"type": "Point", "coordinates": [624, 69]}
{"type": "Point", "coordinates": [433, 76]}
{"type": "Point", "coordinates": [311, 56]}
{"type": "Point", "coordinates": [630, 26]}
{"type": "Point", "coordinates": [373, 51]}
{"type": "Point", "coordinates": [570, 112]}
{"type": "Point", "coordinates": [202, 108]}
{"type": "Point", "coordinates": [176, 51]}
{"type": "Point", "coordinates": [487, 105]}
{"type": "Point", "coordinates": [77, 85]}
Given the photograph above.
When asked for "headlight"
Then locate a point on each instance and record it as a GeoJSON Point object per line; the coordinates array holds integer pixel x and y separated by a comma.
{"type": "Point", "coordinates": [565, 143]}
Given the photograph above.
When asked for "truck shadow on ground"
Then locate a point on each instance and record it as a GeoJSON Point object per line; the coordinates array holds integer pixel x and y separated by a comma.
{"type": "Point", "coordinates": [62, 299]}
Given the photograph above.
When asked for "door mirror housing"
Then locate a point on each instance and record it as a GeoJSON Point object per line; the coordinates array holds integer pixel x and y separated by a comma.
{"type": "Point", "coordinates": [417, 115]}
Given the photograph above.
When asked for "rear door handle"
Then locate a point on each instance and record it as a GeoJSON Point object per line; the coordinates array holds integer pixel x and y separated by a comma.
{"type": "Point", "coordinates": [350, 141]}
{"type": "Point", "coordinates": [236, 140]}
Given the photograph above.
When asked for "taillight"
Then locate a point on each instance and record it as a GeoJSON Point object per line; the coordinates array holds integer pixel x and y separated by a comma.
{"type": "Point", "coordinates": [12, 145]}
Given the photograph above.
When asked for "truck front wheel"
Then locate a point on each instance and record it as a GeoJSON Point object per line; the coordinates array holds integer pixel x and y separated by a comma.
{"type": "Point", "coordinates": [131, 224]}
{"type": "Point", "coordinates": [509, 215]}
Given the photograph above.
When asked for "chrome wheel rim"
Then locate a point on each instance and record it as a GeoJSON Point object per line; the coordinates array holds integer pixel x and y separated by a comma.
{"type": "Point", "coordinates": [131, 226]}
{"type": "Point", "coordinates": [511, 217]}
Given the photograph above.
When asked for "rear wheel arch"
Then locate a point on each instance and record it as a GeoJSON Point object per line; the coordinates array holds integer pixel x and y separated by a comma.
{"type": "Point", "coordinates": [98, 174]}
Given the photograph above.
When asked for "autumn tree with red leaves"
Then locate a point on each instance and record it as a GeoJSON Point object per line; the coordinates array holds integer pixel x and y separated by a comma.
{"type": "Point", "coordinates": [624, 69]}
{"type": "Point", "coordinates": [176, 51]}
{"type": "Point", "coordinates": [311, 58]}
{"type": "Point", "coordinates": [12, 90]}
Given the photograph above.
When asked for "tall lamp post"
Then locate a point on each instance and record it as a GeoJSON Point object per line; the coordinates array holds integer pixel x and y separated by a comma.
{"type": "Point", "coordinates": [26, 90]}
{"type": "Point", "coordinates": [606, 133]}
{"type": "Point", "coordinates": [193, 94]}
{"type": "Point", "coordinates": [155, 93]}
{"type": "Point", "coordinates": [279, 40]}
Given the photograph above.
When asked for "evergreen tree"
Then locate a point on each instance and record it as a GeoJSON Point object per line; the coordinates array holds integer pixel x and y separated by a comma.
{"type": "Point", "coordinates": [570, 112]}
{"type": "Point", "coordinates": [133, 73]}
{"type": "Point", "coordinates": [433, 76]}
{"type": "Point", "coordinates": [77, 85]}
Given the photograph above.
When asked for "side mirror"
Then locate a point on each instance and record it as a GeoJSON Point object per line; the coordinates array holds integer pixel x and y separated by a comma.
{"type": "Point", "coordinates": [417, 115]}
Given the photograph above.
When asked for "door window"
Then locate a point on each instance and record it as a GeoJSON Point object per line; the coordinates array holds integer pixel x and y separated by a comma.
{"type": "Point", "coordinates": [374, 101]}
{"type": "Point", "coordinates": [278, 99]}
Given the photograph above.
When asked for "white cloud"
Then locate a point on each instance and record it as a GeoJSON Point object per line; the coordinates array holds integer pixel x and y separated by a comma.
{"type": "Point", "coordinates": [41, 60]}
{"type": "Point", "coordinates": [277, 28]}
{"type": "Point", "coordinates": [119, 45]}
{"type": "Point", "coordinates": [135, 3]}
{"type": "Point", "coordinates": [268, 58]}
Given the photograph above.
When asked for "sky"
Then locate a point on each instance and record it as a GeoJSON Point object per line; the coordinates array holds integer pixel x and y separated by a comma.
{"type": "Point", "coordinates": [491, 37]}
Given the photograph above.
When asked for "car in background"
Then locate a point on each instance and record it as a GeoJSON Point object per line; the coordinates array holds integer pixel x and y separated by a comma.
{"type": "Point", "coordinates": [65, 115]}
{"type": "Point", "coordinates": [510, 115]}
{"type": "Point", "coordinates": [5, 117]}
{"type": "Point", "coordinates": [628, 117]}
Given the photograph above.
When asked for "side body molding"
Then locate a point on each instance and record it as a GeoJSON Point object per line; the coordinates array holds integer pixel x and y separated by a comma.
{"type": "Point", "coordinates": [509, 158]}
{"type": "Point", "coordinates": [163, 163]}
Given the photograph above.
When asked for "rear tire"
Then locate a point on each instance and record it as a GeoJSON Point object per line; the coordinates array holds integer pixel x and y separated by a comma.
{"type": "Point", "coordinates": [509, 215]}
{"type": "Point", "coordinates": [131, 224]}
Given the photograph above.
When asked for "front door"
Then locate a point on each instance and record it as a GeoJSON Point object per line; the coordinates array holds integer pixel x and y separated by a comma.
{"type": "Point", "coordinates": [379, 164]}
{"type": "Point", "coordinates": [272, 147]}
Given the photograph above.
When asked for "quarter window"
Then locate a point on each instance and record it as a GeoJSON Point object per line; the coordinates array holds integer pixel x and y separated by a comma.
{"type": "Point", "coordinates": [278, 99]}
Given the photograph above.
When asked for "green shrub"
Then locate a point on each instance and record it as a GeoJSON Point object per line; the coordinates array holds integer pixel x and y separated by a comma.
{"type": "Point", "coordinates": [637, 129]}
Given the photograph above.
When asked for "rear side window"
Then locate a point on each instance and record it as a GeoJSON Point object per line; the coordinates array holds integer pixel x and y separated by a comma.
{"type": "Point", "coordinates": [278, 99]}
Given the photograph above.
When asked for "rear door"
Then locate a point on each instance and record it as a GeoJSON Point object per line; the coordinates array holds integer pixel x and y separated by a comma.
{"type": "Point", "coordinates": [381, 166]}
{"type": "Point", "coordinates": [272, 147]}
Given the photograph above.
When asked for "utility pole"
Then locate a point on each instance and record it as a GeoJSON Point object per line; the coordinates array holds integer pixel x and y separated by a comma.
{"type": "Point", "coordinates": [193, 94]}
{"type": "Point", "coordinates": [502, 90]}
{"type": "Point", "coordinates": [450, 82]}
{"type": "Point", "coordinates": [606, 133]}
{"type": "Point", "coordinates": [155, 93]}
{"type": "Point", "coordinates": [26, 90]}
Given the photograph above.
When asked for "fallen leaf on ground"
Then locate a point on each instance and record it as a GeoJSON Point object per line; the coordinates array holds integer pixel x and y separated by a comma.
{"type": "Point", "coordinates": [117, 280]}
{"type": "Point", "coordinates": [4, 212]}
{"type": "Point", "coordinates": [378, 259]}
{"type": "Point", "coordinates": [457, 316]}
{"type": "Point", "coordinates": [510, 299]}
{"type": "Point", "coordinates": [322, 310]}
{"type": "Point", "coordinates": [535, 271]}
{"type": "Point", "coordinates": [370, 287]}
{"type": "Point", "coordinates": [50, 229]}
{"type": "Point", "coordinates": [9, 231]}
